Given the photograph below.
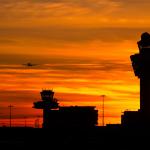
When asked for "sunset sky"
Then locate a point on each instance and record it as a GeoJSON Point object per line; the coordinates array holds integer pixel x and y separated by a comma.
{"type": "Point", "coordinates": [82, 48]}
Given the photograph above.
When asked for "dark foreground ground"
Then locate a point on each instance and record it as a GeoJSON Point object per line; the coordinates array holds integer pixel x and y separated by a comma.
{"type": "Point", "coordinates": [99, 138]}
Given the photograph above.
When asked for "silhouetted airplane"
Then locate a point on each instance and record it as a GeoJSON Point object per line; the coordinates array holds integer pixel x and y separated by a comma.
{"type": "Point", "coordinates": [29, 64]}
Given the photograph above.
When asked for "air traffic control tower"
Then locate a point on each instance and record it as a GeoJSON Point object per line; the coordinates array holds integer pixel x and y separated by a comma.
{"type": "Point", "coordinates": [55, 116]}
{"type": "Point", "coordinates": [47, 103]}
{"type": "Point", "coordinates": [141, 67]}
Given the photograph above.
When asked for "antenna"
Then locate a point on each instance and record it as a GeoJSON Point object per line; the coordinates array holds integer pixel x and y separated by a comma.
{"type": "Point", "coordinates": [103, 115]}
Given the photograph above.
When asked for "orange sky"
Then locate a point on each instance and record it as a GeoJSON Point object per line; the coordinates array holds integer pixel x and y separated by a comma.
{"type": "Point", "coordinates": [82, 49]}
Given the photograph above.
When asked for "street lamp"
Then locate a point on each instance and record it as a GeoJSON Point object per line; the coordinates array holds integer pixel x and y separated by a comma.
{"type": "Point", "coordinates": [10, 107]}
{"type": "Point", "coordinates": [25, 122]}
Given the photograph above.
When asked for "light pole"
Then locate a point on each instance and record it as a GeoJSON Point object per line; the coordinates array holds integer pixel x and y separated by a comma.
{"type": "Point", "coordinates": [103, 115]}
{"type": "Point", "coordinates": [10, 107]}
{"type": "Point", "coordinates": [25, 122]}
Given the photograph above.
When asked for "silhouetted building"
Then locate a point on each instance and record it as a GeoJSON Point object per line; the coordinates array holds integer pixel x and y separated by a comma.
{"type": "Point", "coordinates": [141, 67]}
{"type": "Point", "coordinates": [70, 116]}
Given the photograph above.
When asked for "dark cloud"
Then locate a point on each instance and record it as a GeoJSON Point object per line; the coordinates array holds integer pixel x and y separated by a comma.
{"type": "Point", "coordinates": [132, 1]}
{"type": "Point", "coordinates": [19, 59]}
{"type": "Point", "coordinates": [21, 97]}
{"type": "Point", "coordinates": [101, 65]}
{"type": "Point", "coordinates": [71, 64]}
{"type": "Point", "coordinates": [7, 41]}
{"type": "Point", "coordinates": [8, 1]}
{"type": "Point", "coordinates": [71, 34]}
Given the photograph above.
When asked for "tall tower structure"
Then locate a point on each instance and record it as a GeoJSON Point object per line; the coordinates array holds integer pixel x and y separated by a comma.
{"type": "Point", "coordinates": [47, 103]}
{"type": "Point", "coordinates": [141, 67]}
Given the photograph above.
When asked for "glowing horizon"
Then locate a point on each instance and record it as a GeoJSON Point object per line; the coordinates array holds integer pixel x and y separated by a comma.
{"type": "Point", "coordinates": [82, 49]}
